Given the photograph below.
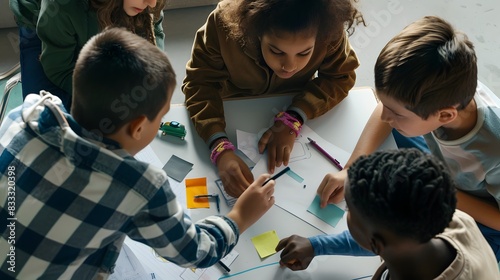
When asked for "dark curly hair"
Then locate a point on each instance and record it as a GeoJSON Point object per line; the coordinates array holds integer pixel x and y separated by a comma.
{"type": "Point", "coordinates": [247, 20]}
{"type": "Point", "coordinates": [407, 190]}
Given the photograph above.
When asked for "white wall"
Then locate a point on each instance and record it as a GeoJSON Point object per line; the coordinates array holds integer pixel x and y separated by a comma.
{"type": "Point", "coordinates": [479, 19]}
{"type": "Point", "coordinates": [6, 17]}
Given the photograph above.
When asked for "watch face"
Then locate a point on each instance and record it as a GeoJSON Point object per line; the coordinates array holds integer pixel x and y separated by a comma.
{"type": "Point", "coordinates": [174, 124]}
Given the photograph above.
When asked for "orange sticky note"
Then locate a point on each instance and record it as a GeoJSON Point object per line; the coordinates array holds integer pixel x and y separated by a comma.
{"type": "Point", "coordinates": [196, 186]}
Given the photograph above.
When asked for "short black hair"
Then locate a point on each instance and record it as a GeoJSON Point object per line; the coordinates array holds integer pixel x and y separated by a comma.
{"type": "Point", "coordinates": [409, 191]}
{"type": "Point", "coordinates": [118, 77]}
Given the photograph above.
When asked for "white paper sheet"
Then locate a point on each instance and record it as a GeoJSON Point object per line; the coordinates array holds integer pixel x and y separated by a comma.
{"type": "Point", "coordinates": [248, 144]}
{"type": "Point", "coordinates": [291, 195]}
{"type": "Point", "coordinates": [128, 267]}
{"type": "Point", "coordinates": [165, 270]}
{"type": "Point", "coordinates": [148, 155]}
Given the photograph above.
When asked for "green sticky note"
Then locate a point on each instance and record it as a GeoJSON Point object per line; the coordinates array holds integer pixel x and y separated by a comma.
{"type": "Point", "coordinates": [331, 214]}
{"type": "Point", "coordinates": [266, 243]}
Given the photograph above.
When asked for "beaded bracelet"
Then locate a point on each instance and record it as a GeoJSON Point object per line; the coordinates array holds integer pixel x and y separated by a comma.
{"type": "Point", "coordinates": [223, 145]}
{"type": "Point", "coordinates": [289, 121]}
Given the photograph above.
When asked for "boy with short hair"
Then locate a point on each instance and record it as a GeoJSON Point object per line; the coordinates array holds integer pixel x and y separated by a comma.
{"type": "Point", "coordinates": [69, 184]}
{"type": "Point", "coordinates": [401, 206]}
{"type": "Point", "coordinates": [426, 80]}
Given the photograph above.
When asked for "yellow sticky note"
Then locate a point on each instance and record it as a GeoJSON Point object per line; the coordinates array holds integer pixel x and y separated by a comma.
{"type": "Point", "coordinates": [196, 186]}
{"type": "Point", "coordinates": [266, 243]}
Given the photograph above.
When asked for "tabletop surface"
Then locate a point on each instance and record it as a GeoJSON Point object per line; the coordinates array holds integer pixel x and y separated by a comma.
{"type": "Point", "coordinates": [341, 126]}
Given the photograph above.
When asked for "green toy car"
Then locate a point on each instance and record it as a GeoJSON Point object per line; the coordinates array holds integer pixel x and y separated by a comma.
{"type": "Point", "coordinates": [173, 128]}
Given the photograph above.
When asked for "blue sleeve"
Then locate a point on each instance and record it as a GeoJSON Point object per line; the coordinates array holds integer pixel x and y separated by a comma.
{"type": "Point", "coordinates": [338, 244]}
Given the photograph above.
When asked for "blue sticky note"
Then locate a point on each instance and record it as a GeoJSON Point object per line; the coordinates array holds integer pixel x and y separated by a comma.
{"type": "Point", "coordinates": [331, 214]}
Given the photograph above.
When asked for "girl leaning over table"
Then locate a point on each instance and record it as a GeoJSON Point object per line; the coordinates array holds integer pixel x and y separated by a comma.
{"type": "Point", "coordinates": [257, 48]}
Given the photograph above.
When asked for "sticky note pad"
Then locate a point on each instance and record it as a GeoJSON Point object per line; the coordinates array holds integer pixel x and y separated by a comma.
{"type": "Point", "coordinates": [177, 168]}
{"type": "Point", "coordinates": [331, 214]}
{"type": "Point", "coordinates": [196, 186]}
{"type": "Point", "coordinates": [266, 243]}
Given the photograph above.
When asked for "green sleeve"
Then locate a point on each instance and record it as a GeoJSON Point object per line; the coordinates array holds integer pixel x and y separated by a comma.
{"type": "Point", "coordinates": [159, 34]}
{"type": "Point", "coordinates": [25, 12]}
{"type": "Point", "coordinates": [60, 41]}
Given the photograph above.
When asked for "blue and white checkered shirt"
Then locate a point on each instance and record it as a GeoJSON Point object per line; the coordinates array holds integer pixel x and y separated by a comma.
{"type": "Point", "coordinates": [68, 198]}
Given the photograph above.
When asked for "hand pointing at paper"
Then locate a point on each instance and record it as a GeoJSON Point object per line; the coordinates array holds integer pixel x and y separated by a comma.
{"type": "Point", "coordinates": [331, 189]}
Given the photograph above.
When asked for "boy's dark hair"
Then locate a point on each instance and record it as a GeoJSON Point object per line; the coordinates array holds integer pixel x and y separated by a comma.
{"type": "Point", "coordinates": [406, 190]}
{"type": "Point", "coordinates": [118, 77]}
{"type": "Point", "coordinates": [428, 66]}
{"type": "Point", "coordinates": [248, 20]}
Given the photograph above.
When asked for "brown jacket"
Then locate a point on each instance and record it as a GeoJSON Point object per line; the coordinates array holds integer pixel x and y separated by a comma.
{"type": "Point", "coordinates": [220, 68]}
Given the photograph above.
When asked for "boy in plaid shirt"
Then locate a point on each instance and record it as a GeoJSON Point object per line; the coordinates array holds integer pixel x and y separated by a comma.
{"type": "Point", "coordinates": [70, 189]}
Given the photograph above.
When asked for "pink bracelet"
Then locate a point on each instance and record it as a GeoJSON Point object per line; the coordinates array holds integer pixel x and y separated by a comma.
{"type": "Point", "coordinates": [289, 121]}
{"type": "Point", "coordinates": [223, 145]}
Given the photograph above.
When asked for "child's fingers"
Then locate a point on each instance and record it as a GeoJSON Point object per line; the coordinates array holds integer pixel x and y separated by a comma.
{"type": "Point", "coordinates": [324, 197]}
{"type": "Point", "coordinates": [262, 179]}
{"type": "Point", "coordinates": [281, 244]}
{"type": "Point", "coordinates": [264, 140]}
{"type": "Point", "coordinates": [268, 188]}
{"type": "Point", "coordinates": [271, 159]}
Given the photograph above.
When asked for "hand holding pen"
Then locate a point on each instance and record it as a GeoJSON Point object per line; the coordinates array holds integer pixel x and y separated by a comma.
{"type": "Point", "coordinates": [277, 175]}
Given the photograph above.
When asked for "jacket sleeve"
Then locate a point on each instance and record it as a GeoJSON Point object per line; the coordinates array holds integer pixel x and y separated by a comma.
{"type": "Point", "coordinates": [338, 244]}
{"type": "Point", "coordinates": [335, 78]}
{"type": "Point", "coordinates": [59, 47]}
{"type": "Point", "coordinates": [205, 72]}
{"type": "Point", "coordinates": [25, 12]}
{"type": "Point", "coordinates": [163, 225]}
{"type": "Point", "coordinates": [159, 34]}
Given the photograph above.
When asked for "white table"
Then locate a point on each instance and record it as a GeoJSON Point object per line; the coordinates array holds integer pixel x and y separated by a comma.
{"type": "Point", "coordinates": [341, 126]}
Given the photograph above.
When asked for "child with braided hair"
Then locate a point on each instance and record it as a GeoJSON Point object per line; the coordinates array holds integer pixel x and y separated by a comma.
{"type": "Point", "coordinates": [426, 81]}
{"type": "Point", "coordinates": [401, 206]}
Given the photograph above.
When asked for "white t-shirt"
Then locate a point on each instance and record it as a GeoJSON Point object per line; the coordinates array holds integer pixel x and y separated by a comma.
{"type": "Point", "coordinates": [474, 159]}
